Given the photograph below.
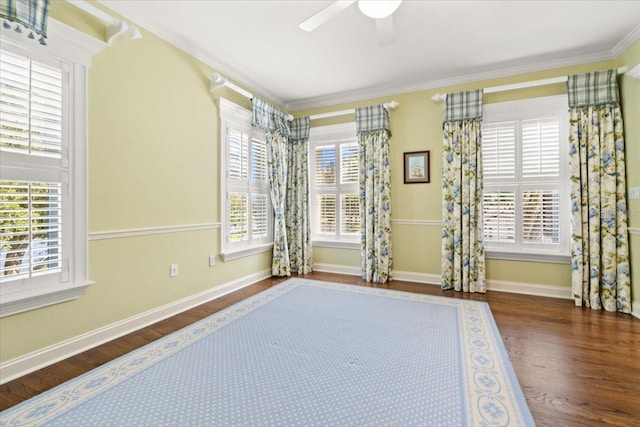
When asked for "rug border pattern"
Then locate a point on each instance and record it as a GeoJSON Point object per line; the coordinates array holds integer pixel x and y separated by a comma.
{"type": "Point", "coordinates": [494, 397]}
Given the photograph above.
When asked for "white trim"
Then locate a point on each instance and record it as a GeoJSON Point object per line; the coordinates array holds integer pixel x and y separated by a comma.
{"type": "Point", "coordinates": [392, 90]}
{"type": "Point", "coordinates": [338, 269]}
{"type": "Point", "coordinates": [38, 359]}
{"type": "Point", "coordinates": [550, 291]}
{"type": "Point", "coordinates": [427, 222]}
{"type": "Point", "coordinates": [626, 42]}
{"type": "Point", "coordinates": [63, 43]}
{"type": "Point", "coordinates": [30, 300]}
{"type": "Point", "coordinates": [228, 256]}
{"type": "Point", "coordinates": [410, 276]}
{"type": "Point", "coordinates": [335, 244]}
{"type": "Point", "coordinates": [527, 256]}
{"type": "Point", "coordinates": [135, 232]}
{"type": "Point", "coordinates": [635, 231]}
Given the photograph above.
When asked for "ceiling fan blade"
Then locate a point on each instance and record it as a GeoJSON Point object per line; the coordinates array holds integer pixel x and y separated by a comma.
{"type": "Point", "coordinates": [385, 31]}
{"type": "Point", "coordinates": [326, 14]}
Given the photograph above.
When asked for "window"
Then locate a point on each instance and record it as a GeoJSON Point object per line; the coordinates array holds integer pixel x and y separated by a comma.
{"type": "Point", "coordinates": [43, 225]}
{"type": "Point", "coordinates": [525, 199]}
{"type": "Point", "coordinates": [247, 212]}
{"type": "Point", "coordinates": [335, 194]}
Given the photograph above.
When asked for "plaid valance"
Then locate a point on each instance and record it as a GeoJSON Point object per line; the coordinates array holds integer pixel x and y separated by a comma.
{"type": "Point", "coordinates": [31, 14]}
{"type": "Point", "coordinates": [463, 106]}
{"type": "Point", "coordinates": [300, 129]}
{"type": "Point", "coordinates": [268, 118]}
{"type": "Point", "coordinates": [596, 88]}
{"type": "Point", "coordinates": [374, 117]}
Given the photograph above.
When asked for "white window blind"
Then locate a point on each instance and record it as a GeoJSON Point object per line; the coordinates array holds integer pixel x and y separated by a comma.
{"type": "Point", "coordinates": [499, 150]}
{"type": "Point", "coordinates": [334, 183]}
{"type": "Point", "coordinates": [247, 211]}
{"type": "Point", "coordinates": [525, 183]}
{"type": "Point", "coordinates": [499, 216]}
{"type": "Point", "coordinates": [31, 99]}
{"type": "Point", "coordinates": [31, 144]}
{"type": "Point", "coordinates": [43, 181]}
{"type": "Point", "coordinates": [30, 229]}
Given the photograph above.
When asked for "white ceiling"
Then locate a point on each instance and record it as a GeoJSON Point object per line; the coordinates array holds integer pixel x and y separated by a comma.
{"type": "Point", "coordinates": [259, 44]}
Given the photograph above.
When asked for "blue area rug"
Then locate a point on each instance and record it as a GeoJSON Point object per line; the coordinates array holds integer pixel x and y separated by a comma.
{"type": "Point", "coordinates": [304, 353]}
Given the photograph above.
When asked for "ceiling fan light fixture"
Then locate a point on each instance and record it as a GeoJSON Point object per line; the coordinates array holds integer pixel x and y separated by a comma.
{"type": "Point", "coordinates": [378, 9]}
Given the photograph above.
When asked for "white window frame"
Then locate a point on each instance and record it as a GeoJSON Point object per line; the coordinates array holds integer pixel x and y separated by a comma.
{"type": "Point", "coordinates": [74, 50]}
{"type": "Point", "coordinates": [325, 135]}
{"type": "Point", "coordinates": [233, 116]}
{"type": "Point", "coordinates": [519, 111]}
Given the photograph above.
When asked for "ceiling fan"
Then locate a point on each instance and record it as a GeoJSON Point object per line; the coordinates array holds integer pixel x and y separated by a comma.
{"type": "Point", "coordinates": [380, 10]}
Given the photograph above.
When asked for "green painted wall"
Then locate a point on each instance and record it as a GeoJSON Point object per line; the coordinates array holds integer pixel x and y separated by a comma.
{"type": "Point", "coordinates": [630, 89]}
{"type": "Point", "coordinates": [154, 161]}
{"type": "Point", "coordinates": [416, 125]}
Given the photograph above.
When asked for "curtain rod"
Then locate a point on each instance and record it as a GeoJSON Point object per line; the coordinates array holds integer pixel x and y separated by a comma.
{"type": "Point", "coordinates": [218, 80]}
{"type": "Point", "coordinates": [114, 28]}
{"type": "Point", "coordinates": [440, 97]}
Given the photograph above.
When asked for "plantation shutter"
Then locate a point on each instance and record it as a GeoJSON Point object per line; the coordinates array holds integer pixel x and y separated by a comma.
{"type": "Point", "coordinates": [541, 216]}
{"type": "Point", "coordinates": [499, 221]}
{"type": "Point", "coordinates": [521, 168]}
{"type": "Point", "coordinates": [33, 188]}
{"type": "Point", "coordinates": [30, 229]}
{"type": "Point", "coordinates": [327, 208]}
{"type": "Point", "coordinates": [499, 150]}
{"type": "Point", "coordinates": [349, 163]}
{"type": "Point", "coordinates": [540, 148]}
{"type": "Point", "coordinates": [349, 214]}
{"type": "Point", "coordinates": [325, 165]}
{"type": "Point", "coordinates": [31, 99]}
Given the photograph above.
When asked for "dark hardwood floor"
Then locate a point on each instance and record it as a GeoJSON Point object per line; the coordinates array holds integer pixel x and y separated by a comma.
{"type": "Point", "coordinates": [577, 367]}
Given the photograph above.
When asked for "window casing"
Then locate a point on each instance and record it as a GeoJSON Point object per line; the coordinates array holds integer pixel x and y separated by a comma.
{"type": "Point", "coordinates": [43, 195]}
{"type": "Point", "coordinates": [525, 179]}
{"type": "Point", "coordinates": [334, 186]}
{"type": "Point", "coordinates": [247, 213]}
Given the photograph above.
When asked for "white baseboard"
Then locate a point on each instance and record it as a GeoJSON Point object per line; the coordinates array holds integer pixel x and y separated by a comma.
{"type": "Point", "coordinates": [338, 269]}
{"type": "Point", "coordinates": [551, 291]}
{"type": "Point", "coordinates": [38, 359]}
{"type": "Point", "coordinates": [635, 309]}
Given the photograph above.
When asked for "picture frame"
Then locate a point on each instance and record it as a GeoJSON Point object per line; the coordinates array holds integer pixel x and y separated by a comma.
{"type": "Point", "coordinates": [416, 167]}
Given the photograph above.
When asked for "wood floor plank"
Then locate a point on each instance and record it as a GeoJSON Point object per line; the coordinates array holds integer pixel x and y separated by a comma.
{"type": "Point", "coordinates": [577, 367]}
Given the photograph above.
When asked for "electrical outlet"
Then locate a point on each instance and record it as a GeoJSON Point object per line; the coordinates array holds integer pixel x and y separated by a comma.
{"type": "Point", "coordinates": [212, 260]}
{"type": "Point", "coordinates": [173, 271]}
{"type": "Point", "coordinates": [634, 193]}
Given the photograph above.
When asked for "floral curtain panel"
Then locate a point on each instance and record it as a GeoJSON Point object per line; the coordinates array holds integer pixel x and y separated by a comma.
{"type": "Point", "coordinates": [298, 221]}
{"type": "Point", "coordinates": [274, 122]}
{"type": "Point", "coordinates": [30, 14]}
{"type": "Point", "coordinates": [372, 124]}
{"type": "Point", "coordinates": [599, 239]}
{"type": "Point", "coordinates": [463, 266]}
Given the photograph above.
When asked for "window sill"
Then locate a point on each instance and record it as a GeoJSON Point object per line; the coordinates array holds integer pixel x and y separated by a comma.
{"type": "Point", "coordinates": [336, 244]}
{"type": "Point", "coordinates": [228, 256]}
{"type": "Point", "coordinates": [37, 298]}
{"type": "Point", "coordinates": [527, 256]}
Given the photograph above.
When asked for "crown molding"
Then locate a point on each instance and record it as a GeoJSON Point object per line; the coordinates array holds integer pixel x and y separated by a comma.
{"type": "Point", "coordinates": [627, 41]}
{"type": "Point", "coordinates": [390, 90]}
{"type": "Point", "coordinates": [121, 7]}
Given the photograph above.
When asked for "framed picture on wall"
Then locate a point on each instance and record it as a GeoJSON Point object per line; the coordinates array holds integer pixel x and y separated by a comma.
{"type": "Point", "coordinates": [416, 167]}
